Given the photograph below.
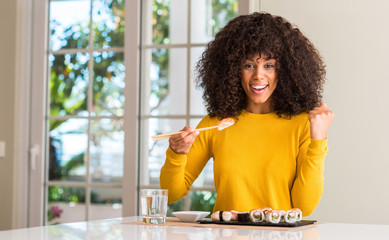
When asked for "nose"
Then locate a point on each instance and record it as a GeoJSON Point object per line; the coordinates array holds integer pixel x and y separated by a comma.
{"type": "Point", "coordinates": [259, 73]}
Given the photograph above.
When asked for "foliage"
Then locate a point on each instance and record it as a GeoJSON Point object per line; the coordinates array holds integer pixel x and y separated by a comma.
{"type": "Point", "coordinates": [69, 80]}
{"type": "Point", "coordinates": [222, 12]}
{"type": "Point", "coordinates": [176, 206]}
{"type": "Point", "coordinates": [69, 77]}
{"type": "Point", "coordinates": [203, 201]}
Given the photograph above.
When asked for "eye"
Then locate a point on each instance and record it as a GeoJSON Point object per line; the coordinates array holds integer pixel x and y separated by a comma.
{"type": "Point", "coordinates": [269, 65]}
{"type": "Point", "coordinates": [248, 66]}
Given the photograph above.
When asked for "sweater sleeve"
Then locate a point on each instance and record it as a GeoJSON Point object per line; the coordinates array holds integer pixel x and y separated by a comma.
{"type": "Point", "coordinates": [308, 185]}
{"type": "Point", "coordinates": [181, 170]}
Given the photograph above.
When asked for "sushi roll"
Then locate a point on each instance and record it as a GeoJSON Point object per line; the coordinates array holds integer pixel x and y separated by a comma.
{"type": "Point", "coordinates": [283, 213]}
{"type": "Point", "coordinates": [293, 215]}
{"type": "Point", "coordinates": [226, 216]}
{"type": "Point", "coordinates": [299, 214]}
{"type": "Point", "coordinates": [244, 217]}
{"type": "Point", "coordinates": [256, 215]}
{"type": "Point", "coordinates": [265, 210]}
{"type": "Point", "coordinates": [215, 216]}
{"type": "Point", "coordinates": [234, 215]}
{"type": "Point", "coordinates": [273, 216]}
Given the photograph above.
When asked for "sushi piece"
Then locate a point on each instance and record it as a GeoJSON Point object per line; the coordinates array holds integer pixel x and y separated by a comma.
{"type": "Point", "coordinates": [273, 216]}
{"type": "Point", "coordinates": [226, 216]}
{"type": "Point", "coordinates": [299, 214]}
{"type": "Point", "coordinates": [244, 217]}
{"type": "Point", "coordinates": [256, 215]}
{"type": "Point", "coordinates": [216, 216]}
{"type": "Point", "coordinates": [234, 215]}
{"type": "Point", "coordinates": [265, 210]}
{"type": "Point", "coordinates": [293, 215]}
{"type": "Point", "coordinates": [282, 212]}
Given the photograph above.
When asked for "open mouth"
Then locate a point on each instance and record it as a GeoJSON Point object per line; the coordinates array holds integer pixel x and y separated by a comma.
{"type": "Point", "coordinates": [259, 88]}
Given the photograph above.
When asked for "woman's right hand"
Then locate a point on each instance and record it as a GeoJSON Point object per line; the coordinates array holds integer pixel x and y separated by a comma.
{"type": "Point", "coordinates": [181, 143]}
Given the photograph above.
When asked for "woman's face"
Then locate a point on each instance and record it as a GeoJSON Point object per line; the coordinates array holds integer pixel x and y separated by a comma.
{"type": "Point", "coordinates": [259, 79]}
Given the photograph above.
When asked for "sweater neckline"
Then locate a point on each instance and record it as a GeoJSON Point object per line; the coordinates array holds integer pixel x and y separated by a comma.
{"type": "Point", "coordinates": [258, 116]}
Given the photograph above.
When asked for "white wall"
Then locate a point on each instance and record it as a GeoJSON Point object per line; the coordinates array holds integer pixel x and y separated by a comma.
{"type": "Point", "coordinates": [353, 38]}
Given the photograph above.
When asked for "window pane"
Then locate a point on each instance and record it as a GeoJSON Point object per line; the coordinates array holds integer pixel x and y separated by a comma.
{"type": "Point", "coordinates": [175, 207]}
{"type": "Point", "coordinates": [68, 143]}
{"type": "Point", "coordinates": [153, 153]}
{"type": "Point", "coordinates": [108, 83]}
{"type": "Point", "coordinates": [197, 106]}
{"type": "Point", "coordinates": [106, 150]}
{"type": "Point", "coordinates": [165, 21]}
{"type": "Point", "coordinates": [69, 24]}
{"type": "Point", "coordinates": [205, 179]}
{"type": "Point", "coordinates": [108, 23]}
{"type": "Point", "coordinates": [68, 84]}
{"type": "Point", "coordinates": [105, 203]}
{"type": "Point", "coordinates": [66, 204]}
{"type": "Point", "coordinates": [164, 85]}
{"type": "Point", "coordinates": [202, 201]}
{"type": "Point", "coordinates": [208, 17]}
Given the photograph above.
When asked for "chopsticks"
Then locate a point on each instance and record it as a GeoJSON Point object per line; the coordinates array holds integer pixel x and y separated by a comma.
{"type": "Point", "coordinates": [167, 135]}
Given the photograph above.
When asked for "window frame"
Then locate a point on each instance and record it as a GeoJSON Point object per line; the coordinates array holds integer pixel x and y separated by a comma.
{"type": "Point", "coordinates": [36, 46]}
{"type": "Point", "coordinates": [244, 7]}
{"type": "Point", "coordinates": [38, 177]}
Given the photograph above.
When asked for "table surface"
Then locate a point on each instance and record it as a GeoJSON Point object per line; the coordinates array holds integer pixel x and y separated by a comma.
{"type": "Point", "coordinates": [114, 229]}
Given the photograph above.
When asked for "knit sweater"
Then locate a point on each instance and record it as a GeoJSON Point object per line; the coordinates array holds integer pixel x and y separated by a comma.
{"type": "Point", "coordinates": [260, 161]}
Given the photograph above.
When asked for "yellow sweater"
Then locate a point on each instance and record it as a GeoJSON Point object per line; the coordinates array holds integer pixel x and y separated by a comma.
{"type": "Point", "coordinates": [260, 161]}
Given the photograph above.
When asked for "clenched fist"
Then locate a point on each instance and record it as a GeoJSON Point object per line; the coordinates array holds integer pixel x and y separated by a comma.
{"type": "Point", "coordinates": [181, 143]}
{"type": "Point", "coordinates": [320, 119]}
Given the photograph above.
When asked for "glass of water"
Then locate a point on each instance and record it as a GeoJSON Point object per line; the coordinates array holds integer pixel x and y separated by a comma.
{"type": "Point", "coordinates": [154, 205]}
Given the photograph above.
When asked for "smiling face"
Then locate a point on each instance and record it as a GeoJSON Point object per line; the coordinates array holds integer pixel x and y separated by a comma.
{"type": "Point", "coordinates": [259, 79]}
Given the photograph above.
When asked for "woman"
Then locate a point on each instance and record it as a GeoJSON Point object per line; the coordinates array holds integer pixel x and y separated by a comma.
{"type": "Point", "coordinates": [264, 73]}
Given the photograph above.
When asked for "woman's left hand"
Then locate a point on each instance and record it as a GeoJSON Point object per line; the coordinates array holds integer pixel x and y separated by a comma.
{"type": "Point", "coordinates": [320, 119]}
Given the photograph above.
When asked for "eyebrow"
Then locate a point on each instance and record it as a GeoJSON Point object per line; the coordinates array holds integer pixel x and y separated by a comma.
{"type": "Point", "coordinates": [266, 58]}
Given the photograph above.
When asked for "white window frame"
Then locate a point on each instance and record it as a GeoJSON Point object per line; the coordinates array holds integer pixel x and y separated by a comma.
{"type": "Point", "coordinates": [31, 107]}
{"type": "Point", "coordinates": [244, 7]}
{"type": "Point", "coordinates": [37, 182]}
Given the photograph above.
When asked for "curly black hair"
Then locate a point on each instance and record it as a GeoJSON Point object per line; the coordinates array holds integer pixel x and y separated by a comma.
{"type": "Point", "coordinates": [299, 67]}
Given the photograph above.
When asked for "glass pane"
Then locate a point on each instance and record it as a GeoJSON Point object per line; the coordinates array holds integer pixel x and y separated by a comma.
{"type": "Point", "coordinates": [105, 203]}
{"type": "Point", "coordinates": [68, 140]}
{"type": "Point", "coordinates": [194, 122]}
{"type": "Point", "coordinates": [153, 153]}
{"type": "Point", "coordinates": [202, 201]}
{"type": "Point", "coordinates": [164, 21]}
{"type": "Point", "coordinates": [165, 82]}
{"type": "Point", "coordinates": [66, 204]}
{"type": "Point", "coordinates": [69, 24]}
{"type": "Point", "coordinates": [205, 179]}
{"type": "Point", "coordinates": [68, 84]}
{"type": "Point", "coordinates": [208, 17]}
{"type": "Point", "coordinates": [108, 23]}
{"type": "Point", "coordinates": [197, 106]}
{"type": "Point", "coordinates": [108, 84]}
{"type": "Point", "coordinates": [106, 150]}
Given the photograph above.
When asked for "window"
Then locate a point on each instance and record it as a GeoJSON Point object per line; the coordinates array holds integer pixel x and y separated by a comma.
{"type": "Point", "coordinates": [174, 35]}
{"type": "Point", "coordinates": [85, 116]}
{"type": "Point", "coordinates": [85, 110]}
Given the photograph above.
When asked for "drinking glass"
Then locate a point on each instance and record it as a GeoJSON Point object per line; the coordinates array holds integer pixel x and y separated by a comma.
{"type": "Point", "coordinates": [154, 205]}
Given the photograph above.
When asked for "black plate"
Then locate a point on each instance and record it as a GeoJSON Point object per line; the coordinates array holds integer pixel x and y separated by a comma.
{"type": "Point", "coordinates": [267, 224]}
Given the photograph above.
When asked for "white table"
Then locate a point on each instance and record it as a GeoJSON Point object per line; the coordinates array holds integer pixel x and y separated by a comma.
{"type": "Point", "coordinates": [114, 229]}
